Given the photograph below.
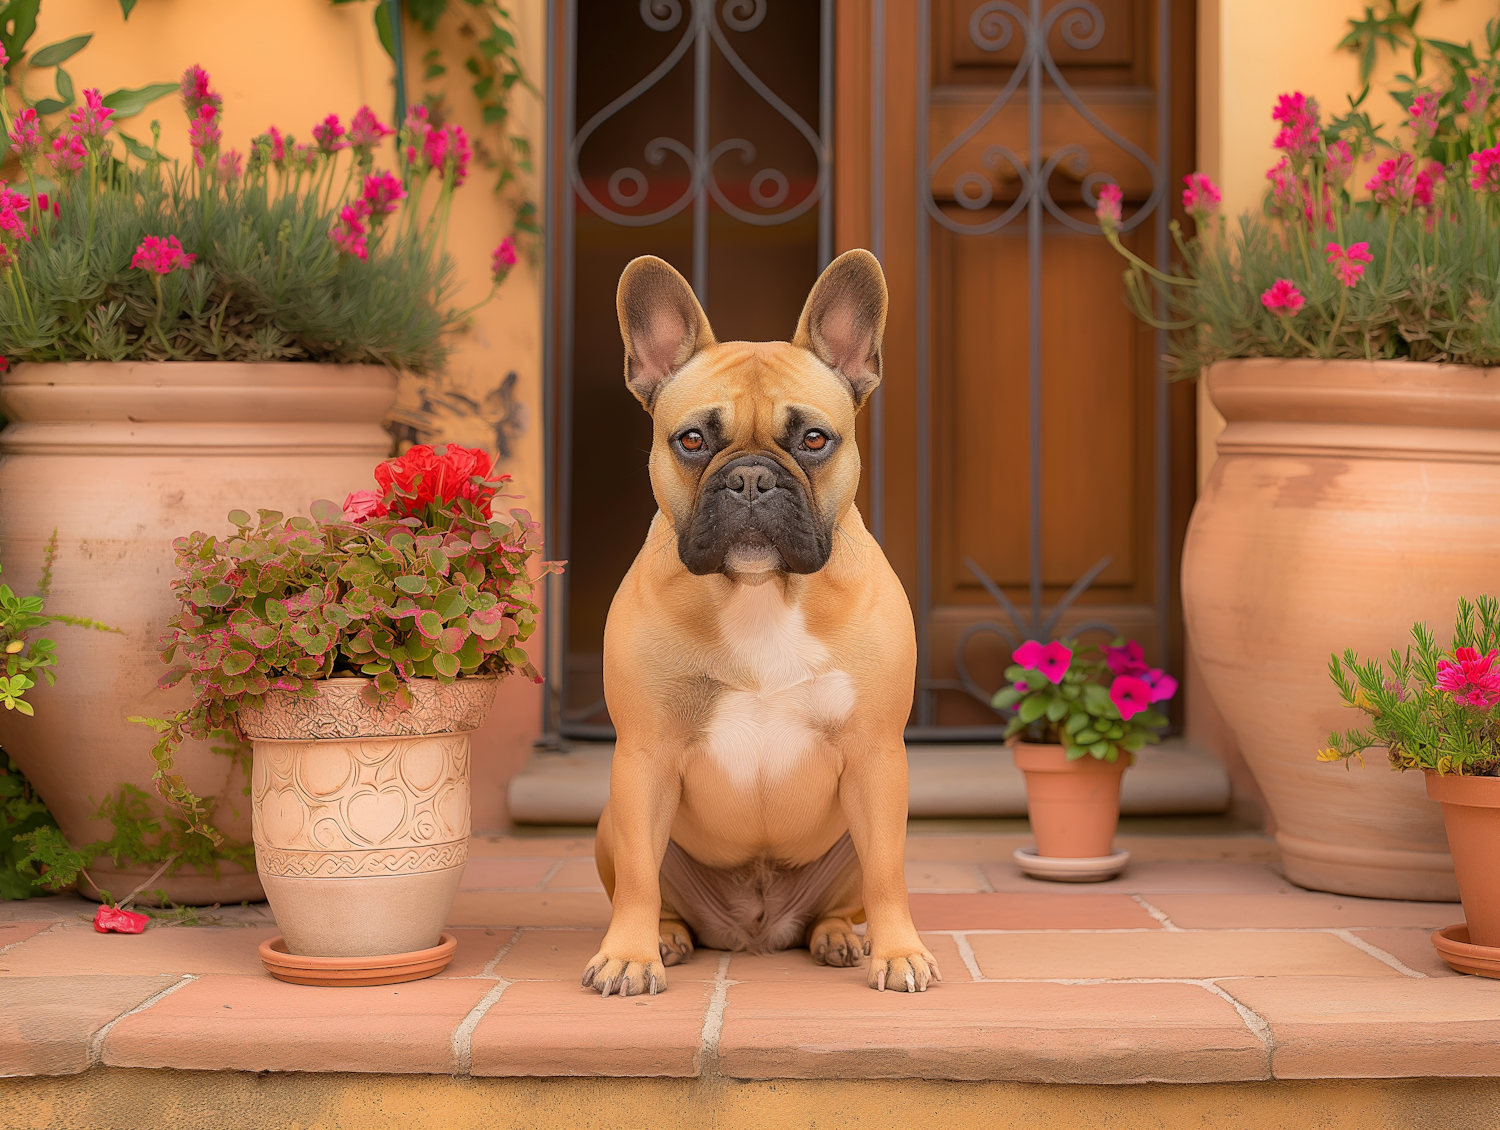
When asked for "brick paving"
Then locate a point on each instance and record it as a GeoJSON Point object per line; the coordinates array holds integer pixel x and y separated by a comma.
{"type": "Point", "coordinates": [1200, 964]}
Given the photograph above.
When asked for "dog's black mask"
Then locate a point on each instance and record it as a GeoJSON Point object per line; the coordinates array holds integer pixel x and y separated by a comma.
{"type": "Point", "coordinates": [753, 502]}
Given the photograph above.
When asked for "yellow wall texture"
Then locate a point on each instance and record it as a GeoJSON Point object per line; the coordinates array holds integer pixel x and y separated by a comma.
{"type": "Point", "coordinates": [1251, 51]}
{"type": "Point", "coordinates": [288, 63]}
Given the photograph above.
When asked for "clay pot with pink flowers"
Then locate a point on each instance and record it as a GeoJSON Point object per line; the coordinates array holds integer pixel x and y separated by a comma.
{"type": "Point", "coordinates": [1080, 713]}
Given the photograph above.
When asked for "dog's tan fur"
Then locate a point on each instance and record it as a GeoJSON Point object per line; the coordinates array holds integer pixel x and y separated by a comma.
{"type": "Point", "coordinates": [759, 713]}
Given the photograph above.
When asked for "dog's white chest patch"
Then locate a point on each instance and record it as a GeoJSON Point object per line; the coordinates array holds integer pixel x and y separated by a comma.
{"type": "Point", "coordinates": [781, 687]}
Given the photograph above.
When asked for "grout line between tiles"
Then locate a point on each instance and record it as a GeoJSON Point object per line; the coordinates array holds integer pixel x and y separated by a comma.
{"type": "Point", "coordinates": [1159, 914]}
{"type": "Point", "coordinates": [1378, 954]}
{"type": "Point", "coordinates": [463, 1035]}
{"type": "Point", "coordinates": [541, 884]}
{"type": "Point", "coordinates": [489, 966]}
{"type": "Point", "coordinates": [1253, 1021]}
{"type": "Point", "coordinates": [96, 1045]}
{"type": "Point", "coordinates": [966, 951]}
{"type": "Point", "coordinates": [713, 1020]}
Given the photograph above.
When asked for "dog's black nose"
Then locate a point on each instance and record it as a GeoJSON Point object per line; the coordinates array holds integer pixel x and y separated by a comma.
{"type": "Point", "coordinates": [749, 480]}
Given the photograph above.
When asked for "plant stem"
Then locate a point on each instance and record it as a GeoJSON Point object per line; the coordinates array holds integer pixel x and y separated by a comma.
{"type": "Point", "coordinates": [1114, 241]}
{"type": "Point", "coordinates": [156, 281]}
{"type": "Point", "coordinates": [1286, 324]}
{"type": "Point", "coordinates": [124, 902]}
{"type": "Point", "coordinates": [1390, 242]}
{"type": "Point", "coordinates": [1334, 332]}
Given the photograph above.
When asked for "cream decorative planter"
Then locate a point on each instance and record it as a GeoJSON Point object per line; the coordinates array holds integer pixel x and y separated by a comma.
{"type": "Point", "coordinates": [121, 459]}
{"type": "Point", "coordinates": [361, 815]}
{"type": "Point", "coordinates": [1349, 499]}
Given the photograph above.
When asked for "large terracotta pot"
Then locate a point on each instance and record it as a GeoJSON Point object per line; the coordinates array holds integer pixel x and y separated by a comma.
{"type": "Point", "coordinates": [362, 814]}
{"type": "Point", "coordinates": [1074, 806]}
{"type": "Point", "coordinates": [1349, 499]}
{"type": "Point", "coordinates": [1471, 813]}
{"type": "Point", "coordinates": [121, 459]}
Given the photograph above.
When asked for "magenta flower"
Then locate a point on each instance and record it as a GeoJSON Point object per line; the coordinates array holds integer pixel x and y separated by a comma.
{"type": "Point", "coordinates": [1471, 679]}
{"type": "Point", "coordinates": [68, 156]}
{"type": "Point", "coordinates": [348, 235]}
{"type": "Point", "coordinates": [196, 92]}
{"type": "Point", "coordinates": [231, 166]}
{"type": "Point", "coordinates": [1201, 197]}
{"type": "Point", "coordinates": [382, 192]}
{"type": "Point", "coordinates": [1424, 187]}
{"type": "Point", "coordinates": [1110, 209]}
{"type": "Point", "coordinates": [448, 150]}
{"type": "Point", "coordinates": [1163, 686]}
{"type": "Point", "coordinates": [1423, 117]}
{"type": "Point", "coordinates": [1348, 263]}
{"type": "Point", "coordinates": [12, 204]}
{"type": "Point", "coordinates": [279, 147]}
{"type": "Point", "coordinates": [26, 137]}
{"type": "Point", "coordinates": [1283, 299]}
{"type": "Point", "coordinates": [1478, 100]}
{"type": "Point", "coordinates": [1394, 182]}
{"type": "Point", "coordinates": [1051, 660]}
{"type": "Point", "coordinates": [1131, 694]}
{"type": "Point", "coordinates": [367, 131]}
{"type": "Point", "coordinates": [91, 120]}
{"type": "Point", "coordinates": [1128, 659]}
{"type": "Point", "coordinates": [328, 134]}
{"type": "Point", "coordinates": [161, 256]}
{"type": "Point", "coordinates": [1299, 116]}
{"type": "Point", "coordinates": [1484, 170]}
{"type": "Point", "coordinates": [1340, 163]}
{"type": "Point", "coordinates": [503, 259]}
{"type": "Point", "coordinates": [204, 134]}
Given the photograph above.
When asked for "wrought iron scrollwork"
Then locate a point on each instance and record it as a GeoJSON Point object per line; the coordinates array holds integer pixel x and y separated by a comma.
{"type": "Point", "coordinates": [992, 27]}
{"type": "Point", "coordinates": [629, 186]}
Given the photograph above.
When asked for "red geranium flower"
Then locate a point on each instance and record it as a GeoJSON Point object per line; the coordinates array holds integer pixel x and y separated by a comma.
{"type": "Point", "coordinates": [441, 475]}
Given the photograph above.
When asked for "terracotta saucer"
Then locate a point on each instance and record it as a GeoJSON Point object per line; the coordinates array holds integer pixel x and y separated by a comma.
{"type": "Point", "coordinates": [1095, 869]}
{"type": "Point", "coordinates": [1453, 945]}
{"type": "Point", "coordinates": [387, 969]}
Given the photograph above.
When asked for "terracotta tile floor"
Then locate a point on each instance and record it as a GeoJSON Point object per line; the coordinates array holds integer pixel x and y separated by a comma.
{"type": "Point", "coordinates": [1200, 964]}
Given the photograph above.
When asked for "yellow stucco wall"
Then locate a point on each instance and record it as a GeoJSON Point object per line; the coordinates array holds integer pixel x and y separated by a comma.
{"type": "Point", "coordinates": [288, 63]}
{"type": "Point", "coordinates": [1250, 51]}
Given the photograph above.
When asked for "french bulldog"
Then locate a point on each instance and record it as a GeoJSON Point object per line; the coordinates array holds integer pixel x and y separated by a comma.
{"type": "Point", "coordinates": [759, 657]}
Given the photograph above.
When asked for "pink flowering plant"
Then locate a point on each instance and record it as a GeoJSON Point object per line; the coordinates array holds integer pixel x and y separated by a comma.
{"type": "Point", "coordinates": [1401, 259]}
{"type": "Point", "coordinates": [329, 250]}
{"type": "Point", "coordinates": [1097, 702]}
{"type": "Point", "coordinates": [1432, 708]}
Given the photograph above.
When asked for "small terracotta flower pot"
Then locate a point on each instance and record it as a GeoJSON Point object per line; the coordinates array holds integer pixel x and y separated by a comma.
{"type": "Point", "coordinates": [1471, 813]}
{"type": "Point", "coordinates": [1074, 805]}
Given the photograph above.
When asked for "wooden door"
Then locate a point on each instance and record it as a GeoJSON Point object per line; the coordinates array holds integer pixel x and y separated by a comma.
{"type": "Point", "coordinates": [1035, 475]}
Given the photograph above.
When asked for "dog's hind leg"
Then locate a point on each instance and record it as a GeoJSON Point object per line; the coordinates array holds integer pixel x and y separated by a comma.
{"type": "Point", "coordinates": [831, 938]}
{"type": "Point", "coordinates": [676, 938]}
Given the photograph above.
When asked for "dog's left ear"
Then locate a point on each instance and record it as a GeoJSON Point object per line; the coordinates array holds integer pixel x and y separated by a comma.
{"type": "Point", "coordinates": [844, 321]}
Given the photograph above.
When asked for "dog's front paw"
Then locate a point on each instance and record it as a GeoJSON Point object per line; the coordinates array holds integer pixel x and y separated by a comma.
{"type": "Point", "coordinates": [832, 941]}
{"type": "Point", "coordinates": [675, 941]}
{"type": "Point", "coordinates": [906, 969]}
{"type": "Point", "coordinates": [628, 976]}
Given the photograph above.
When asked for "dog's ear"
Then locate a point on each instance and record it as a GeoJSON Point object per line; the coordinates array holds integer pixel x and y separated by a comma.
{"type": "Point", "coordinates": [661, 322]}
{"type": "Point", "coordinates": [844, 321]}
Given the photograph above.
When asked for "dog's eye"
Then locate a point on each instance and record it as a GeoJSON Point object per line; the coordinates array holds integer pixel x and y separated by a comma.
{"type": "Point", "coordinates": [691, 441]}
{"type": "Point", "coordinates": [815, 440]}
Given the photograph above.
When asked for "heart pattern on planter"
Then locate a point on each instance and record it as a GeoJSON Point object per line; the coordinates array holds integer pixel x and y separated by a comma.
{"type": "Point", "coordinates": [341, 798]}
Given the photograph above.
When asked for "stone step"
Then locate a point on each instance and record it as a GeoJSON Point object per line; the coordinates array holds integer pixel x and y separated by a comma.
{"type": "Point", "coordinates": [1171, 779]}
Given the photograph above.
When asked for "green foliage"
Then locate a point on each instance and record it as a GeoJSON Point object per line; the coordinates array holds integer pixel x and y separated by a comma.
{"type": "Point", "coordinates": [1421, 724]}
{"type": "Point", "coordinates": [140, 836]}
{"type": "Point", "coordinates": [1076, 712]}
{"type": "Point", "coordinates": [22, 812]}
{"type": "Point", "coordinates": [268, 284]}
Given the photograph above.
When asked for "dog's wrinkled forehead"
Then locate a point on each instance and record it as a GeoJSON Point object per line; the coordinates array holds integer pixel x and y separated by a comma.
{"type": "Point", "coordinates": [753, 392]}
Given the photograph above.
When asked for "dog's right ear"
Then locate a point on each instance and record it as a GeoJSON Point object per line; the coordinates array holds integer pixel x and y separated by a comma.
{"type": "Point", "coordinates": [661, 322]}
